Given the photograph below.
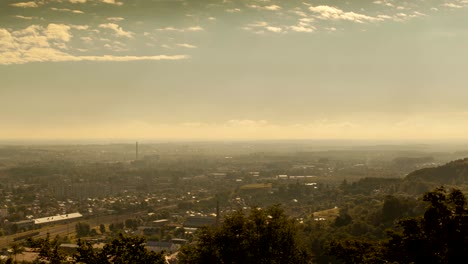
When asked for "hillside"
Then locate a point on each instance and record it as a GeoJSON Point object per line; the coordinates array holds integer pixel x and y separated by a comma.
{"type": "Point", "coordinates": [452, 173]}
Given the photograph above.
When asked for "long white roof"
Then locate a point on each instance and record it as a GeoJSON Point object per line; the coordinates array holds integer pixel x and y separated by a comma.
{"type": "Point", "coordinates": [56, 218]}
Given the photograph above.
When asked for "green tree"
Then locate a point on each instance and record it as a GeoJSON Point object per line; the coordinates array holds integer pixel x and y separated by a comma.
{"type": "Point", "coordinates": [356, 251]}
{"type": "Point", "coordinates": [49, 251]}
{"type": "Point", "coordinates": [439, 236]}
{"type": "Point", "coordinates": [262, 236]}
{"type": "Point", "coordinates": [121, 250]}
{"type": "Point", "coordinates": [82, 229]}
{"type": "Point", "coordinates": [343, 218]}
{"type": "Point", "coordinates": [16, 249]}
{"type": "Point", "coordinates": [102, 228]}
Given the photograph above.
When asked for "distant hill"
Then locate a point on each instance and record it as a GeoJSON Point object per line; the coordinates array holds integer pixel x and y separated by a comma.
{"type": "Point", "coordinates": [452, 173]}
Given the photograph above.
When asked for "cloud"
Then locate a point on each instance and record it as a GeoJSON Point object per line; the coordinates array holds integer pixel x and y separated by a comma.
{"type": "Point", "coordinates": [193, 29]}
{"type": "Point", "coordinates": [25, 4]}
{"type": "Point", "coordinates": [332, 13]}
{"type": "Point", "coordinates": [274, 29]}
{"type": "Point", "coordinates": [260, 27]}
{"type": "Point", "coordinates": [299, 13]}
{"type": "Point", "coordinates": [111, 2]}
{"type": "Point", "coordinates": [233, 10]}
{"type": "Point", "coordinates": [80, 27]}
{"type": "Point", "coordinates": [185, 45]}
{"type": "Point", "coordinates": [58, 32]}
{"type": "Point", "coordinates": [452, 5]}
{"type": "Point", "coordinates": [270, 7]}
{"type": "Point", "coordinates": [117, 30]}
{"type": "Point", "coordinates": [115, 19]}
{"type": "Point", "coordinates": [47, 44]}
{"type": "Point", "coordinates": [66, 10]}
{"type": "Point", "coordinates": [300, 28]}
{"type": "Point", "coordinates": [24, 17]}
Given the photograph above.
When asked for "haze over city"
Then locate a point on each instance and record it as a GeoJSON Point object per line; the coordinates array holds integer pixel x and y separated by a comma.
{"type": "Point", "coordinates": [233, 70]}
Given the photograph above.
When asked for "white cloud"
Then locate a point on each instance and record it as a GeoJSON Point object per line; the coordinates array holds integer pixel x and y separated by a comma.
{"type": "Point", "coordinates": [233, 10]}
{"type": "Point", "coordinates": [80, 27]}
{"type": "Point", "coordinates": [30, 4]}
{"type": "Point", "coordinates": [38, 44]}
{"type": "Point", "coordinates": [87, 39]}
{"type": "Point", "coordinates": [332, 13]}
{"type": "Point", "coordinates": [260, 27]}
{"type": "Point", "coordinates": [274, 29]}
{"type": "Point", "coordinates": [270, 7]}
{"type": "Point", "coordinates": [58, 32]}
{"type": "Point", "coordinates": [111, 2]}
{"type": "Point", "coordinates": [258, 24]}
{"type": "Point", "coordinates": [300, 28]}
{"type": "Point", "coordinates": [186, 45]}
{"type": "Point", "coordinates": [32, 36]}
{"type": "Point", "coordinates": [24, 17]}
{"type": "Point", "coordinates": [66, 10]}
{"type": "Point", "coordinates": [117, 30]}
{"type": "Point", "coordinates": [115, 19]}
{"type": "Point", "coordinates": [7, 40]}
{"type": "Point", "coordinates": [299, 13]}
{"type": "Point", "coordinates": [452, 5]}
{"type": "Point", "coordinates": [194, 28]}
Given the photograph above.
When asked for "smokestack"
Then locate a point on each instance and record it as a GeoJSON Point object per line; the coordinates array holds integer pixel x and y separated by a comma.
{"type": "Point", "coordinates": [136, 150]}
{"type": "Point", "coordinates": [217, 212]}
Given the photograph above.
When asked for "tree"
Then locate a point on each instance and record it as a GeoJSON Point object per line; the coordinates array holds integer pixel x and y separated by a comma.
{"type": "Point", "coordinates": [439, 236]}
{"type": "Point", "coordinates": [82, 229]}
{"type": "Point", "coordinates": [49, 251]}
{"type": "Point", "coordinates": [16, 249]}
{"type": "Point", "coordinates": [102, 228]}
{"type": "Point", "coordinates": [343, 218]}
{"type": "Point", "coordinates": [356, 251]}
{"type": "Point", "coordinates": [262, 236]}
{"type": "Point", "coordinates": [124, 249]}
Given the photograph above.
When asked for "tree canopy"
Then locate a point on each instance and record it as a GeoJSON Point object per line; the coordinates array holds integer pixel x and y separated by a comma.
{"type": "Point", "coordinates": [439, 236]}
{"type": "Point", "coordinates": [261, 236]}
{"type": "Point", "coordinates": [121, 250]}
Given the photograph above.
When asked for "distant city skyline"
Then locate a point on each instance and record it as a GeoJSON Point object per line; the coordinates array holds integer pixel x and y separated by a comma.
{"type": "Point", "coordinates": [233, 70]}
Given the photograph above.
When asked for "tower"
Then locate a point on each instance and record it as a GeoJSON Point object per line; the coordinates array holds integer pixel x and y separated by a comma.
{"type": "Point", "coordinates": [136, 150]}
{"type": "Point", "coordinates": [217, 212]}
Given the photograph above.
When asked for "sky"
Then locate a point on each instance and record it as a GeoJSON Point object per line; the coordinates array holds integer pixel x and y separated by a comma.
{"type": "Point", "coordinates": [233, 70]}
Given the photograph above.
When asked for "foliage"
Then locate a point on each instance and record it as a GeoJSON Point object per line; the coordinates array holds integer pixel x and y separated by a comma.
{"type": "Point", "coordinates": [124, 249]}
{"type": "Point", "coordinates": [356, 251]}
{"type": "Point", "coordinates": [439, 236]}
{"type": "Point", "coordinates": [115, 228]}
{"type": "Point", "coordinates": [16, 249]}
{"type": "Point", "coordinates": [49, 251]}
{"type": "Point", "coordinates": [263, 236]}
{"type": "Point", "coordinates": [102, 228]}
{"type": "Point", "coordinates": [82, 229]}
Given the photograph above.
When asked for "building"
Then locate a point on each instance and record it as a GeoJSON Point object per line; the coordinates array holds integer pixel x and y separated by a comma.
{"type": "Point", "coordinates": [56, 218]}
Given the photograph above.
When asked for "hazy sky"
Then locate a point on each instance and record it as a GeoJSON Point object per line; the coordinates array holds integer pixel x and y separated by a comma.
{"type": "Point", "coordinates": [246, 69]}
